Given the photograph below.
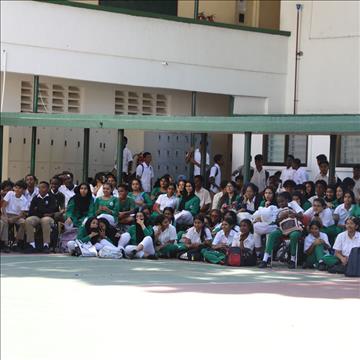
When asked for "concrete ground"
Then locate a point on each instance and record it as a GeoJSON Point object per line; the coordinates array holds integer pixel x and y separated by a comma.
{"type": "Point", "coordinates": [60, 307]}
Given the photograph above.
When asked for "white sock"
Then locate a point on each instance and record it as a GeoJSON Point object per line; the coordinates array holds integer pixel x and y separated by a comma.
{"type": "Point", "coordinates": [33, 244]}
{"type": "Point", "coordinates": [266, 257]}
{"type": "Point", "coordinates": [293, 258]}
{"type": "Point", "coordinates": [46, 245]}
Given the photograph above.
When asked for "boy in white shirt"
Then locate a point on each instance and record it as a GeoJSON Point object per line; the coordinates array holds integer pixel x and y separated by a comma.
{"type": "Point", "coordinates": [145, 172]}
{"type": "Point", "coordinates": [13, 211]}
{"type": "Point", "coordinates": [215, 174]}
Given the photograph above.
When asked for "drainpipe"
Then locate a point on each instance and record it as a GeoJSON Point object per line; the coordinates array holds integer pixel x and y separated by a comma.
{"type": "Point", "coordinates": [298, 54]}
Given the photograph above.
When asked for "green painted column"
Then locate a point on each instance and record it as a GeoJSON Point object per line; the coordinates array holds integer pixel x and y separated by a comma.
{"type": "Point", "coordinates": [33, 129]}
{"type": "Point", "coordinates": [86, 154]}
{"type": "Point", "coordinates": [192, 136]}
{"type": "Point", "coordinates": [196, 9]}
{"type": "Point", "coordinates": [1, 149]}
{"type": "Point", "coordinates": [119, 155]}
{"type": "Point", "coordinates": [247, 155]}
{"type": "Point", "coordinates": [332, 158]}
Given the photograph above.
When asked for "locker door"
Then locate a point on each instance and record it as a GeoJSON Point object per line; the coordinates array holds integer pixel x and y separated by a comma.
{"type": "Point", "coordinates": [43, 145]}
{"type": "Point", "coordinates": [16, 145]}
{"type": "Point", "coordinates": [56, 145]}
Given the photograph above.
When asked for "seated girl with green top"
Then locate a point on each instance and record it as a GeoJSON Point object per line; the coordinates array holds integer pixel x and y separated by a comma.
{"type": "Point", "coordinates": [355, 211]}
{"type": "Point", "coordinates": [316, 246]}
{"type": "Point", "coordinates": [140, 243]}
{"type": "Point", "coordinates": [339, 194]}
{"type": "Point", "coordinates": [268, 197]}
{"type": "Point", "coordinates": [330, 197]}
{"type": "Point", "coordinates": [165, 237]}
{"type": "Point", "coordinates": [189, 206]}
{"type": "Point", "coordinates": [160, 187]}
{"type": "Point", "coordinates": [107, 206]}
{"type": "Point", "coordinates": [140, 197]}
{"type": "Point", "coordinates": [126, 206]}
{"type": "Point", "coordinates": [79, 207]}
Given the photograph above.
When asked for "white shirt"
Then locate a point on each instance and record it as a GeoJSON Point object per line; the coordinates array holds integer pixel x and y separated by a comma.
{"type": "Point", "coordinates": [67, 193]}
{"type": "Point", "coordinates": [204, 197]}
{"type": "Point", "coordinates": [266, 214]}
{"type": "Point", "coordinates": [145, 173]}
{"type": "Point", "coordinates": [321, 177]}
{"type": "Point", "coordinates": [216, 199]}
{"type": "Point", "coordinates": [300, 176]}
{"type": "Point", "coordinates": [325, 216]}
{"type": "Point", "coordinates": [197, 158]}
{"type": "Point", "coordinates": [168, 234]}
{"type": "Point", "coordinates": [343, 213]}
{"type": "Point", "coordinates": [164, 201]}
{"type": "Point", "coordinates": [357, 189]}
{"type": "Point", "coordinates": [259, 179]}
{"type": "Point", "coordinates": [215, 172]}
{"type": "Point", "coordinates": [29, 196]}
{"type": "Point", "coordinates": [15, 205]}
{"type": "Point", "coordinates": [194, 236]}
{"type": "Point", "coordinates": [344, 244]}
{"type": "Point", "coordinates": [311, 238]}
{"type": "Point", "coordinates": [127, 157]}
{"type": "Point", "coordinates": [221, 238]}
{"type": "Point", "coordinates": [249, 242]}
{"type": "Point", "coordinates": [287, 174]}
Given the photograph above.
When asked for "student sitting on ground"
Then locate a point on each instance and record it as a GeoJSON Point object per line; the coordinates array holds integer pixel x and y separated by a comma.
{"type": "Point", "coordinates": [302, 202]}
{"type": "Point", "coordinates": [68, 188]}
{"type": "Point", "coordinates": [330, 198]}
{"type": "Point", "coordinates": [165, 237]}
{"type": "Point", "coordinates": [229, 200]}
{"type": "Point", "coordinates": [42, 210]}
{"type": "Point", "coordinates": [195, 239]}
{"type": "Point", "coordinates": [55, 183]}
{"type": "Point", "coordinates": [141, 243]}
{"type": "Point", "coordinates": [268, 197]}
{"type": "Point", "coordinates": [141, 198]}
{"type": "Point", "coordinates": [80, 206]}
{"type": "Point", "coordinates": [309, 189]}
{"type": "Point", "coordinates": [214, 220]}
{"type": "Point", "coordinates": [246, 242]}
{"type": "Point", "coordinates": [222, 241]}
{"type": "Point", "coordinates": [189, 206]}
{"type": "Point", "coordinates": [107, 206]}
{"type": "Point", "coordinates": [31, 189]}
{"type": "Point", "coordinates": [287, 210]}
{"type": "Point", "coordinates": [248, 203]}
{"type": "Point", "coordinates": [126, 206]}
{"type": "Point", "coordinates": [202, 194]}
{"type": "Point", "coordinates": [316, 246]}
{"type": "Point", "coordinates": [320, 190]}
{"type": "Point", "coordinates": [344, 243]}
{"type": "Point", "coordinates": [13, 211]}
{"type": "Point", "coordinates": [320, 212]}
{"type": "Point", "coordinates": [342, 212]}
{"type": "Point", "coordinates": [339, 193]}
{"type": "Point", "coordinates": [160, 187]}
{"type": "Point", "coordinates": [165, 200]}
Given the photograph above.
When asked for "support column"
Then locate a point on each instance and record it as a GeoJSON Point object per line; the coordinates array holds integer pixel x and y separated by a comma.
{"type": "Point", "coordinates": [247, 156]}
{"type": "Point", "coordinates": [332, 158]}
{"type": "Point", "coordinates": [119, 155]}
{"type": "Point", "coordinates": [192, 136]}
{"type": "Point", "coordinates": [204, 138]}
{"type": "Point", "coordinates": [1, 150]}
{"type": "Point", "coordinates": [33, 129]}
{"type": "Point", "coordinates": [86, 154]}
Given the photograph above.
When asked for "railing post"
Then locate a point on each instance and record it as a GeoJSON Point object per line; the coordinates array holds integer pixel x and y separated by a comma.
{"type": "Point", "coordinates": [33, 129]}
{"type": "Point", "coordinates": [247, 156]}
{"type": "Point", "coordinates": [120, 155]}
{"type": "Point", "coordinates": [86, 154]}
{"type": "Point", "coordinates": [332, 158]}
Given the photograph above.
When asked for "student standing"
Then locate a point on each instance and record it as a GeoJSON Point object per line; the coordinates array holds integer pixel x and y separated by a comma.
{"type": "Point", "coordinates": [260, 175]}
{"type": "Point", "coordinates": [145, 172]}
{"type": "Point", "coordinates": [288, 173]}
{"type": "Point", "coordinates": [215, 174]}
{"type": "Point", "coordinates": [300, 175]}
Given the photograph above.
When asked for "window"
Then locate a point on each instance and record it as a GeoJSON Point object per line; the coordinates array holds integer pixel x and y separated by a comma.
{"type": "Point", "coordinates": [52, 98]}
{"type": "Point", "coordinates": [348, 151]}
{"type": "Point", "coordinates": [133, 103]}
{"type": "Point", "coordinates": [277, 147]}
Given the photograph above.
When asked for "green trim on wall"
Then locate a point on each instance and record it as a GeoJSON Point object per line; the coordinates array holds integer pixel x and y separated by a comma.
{"type": "Point", "coordinates": [165, 17]}
{"type": "Point", "coordinates": [261, 124]}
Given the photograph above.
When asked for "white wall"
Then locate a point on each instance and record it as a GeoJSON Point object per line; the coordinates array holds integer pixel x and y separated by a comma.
{"type": "Point", "coordinates": [100, 46]}
{"type": "Point", "coordinates": [329, 70]}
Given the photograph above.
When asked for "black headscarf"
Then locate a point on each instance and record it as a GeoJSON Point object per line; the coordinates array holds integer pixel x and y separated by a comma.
{"type": "Point", "coordinates": [187, 197]}
{"type": "Point", "coordinates": [82, 203]}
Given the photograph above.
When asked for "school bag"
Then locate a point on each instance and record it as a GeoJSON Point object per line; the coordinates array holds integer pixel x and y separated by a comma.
{"type": "Point", "coordinates": [353, 265]}
{"type": "Point", "coordinates": [233, 256]}
{"type": "Point", "coordinates": [207, 177]}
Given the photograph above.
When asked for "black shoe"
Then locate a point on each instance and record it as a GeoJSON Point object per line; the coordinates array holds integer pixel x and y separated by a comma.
{"type": "Point", "coordinates": [291, 265]}
{"type": "Point", "coordinates": [77, 251]}
{"type": "Point", "coordinates": [46, 250]}
{"type": "Point", "coordinates": [263, 265]}
{"type": "Point", "coordinates": [322, 267]}
{"type": "Point", "coordinates": [5, 249]}
{"type": "Point", "coordinates": [152, 257]}
{"type": "Point", "coordinates": [28, 249]}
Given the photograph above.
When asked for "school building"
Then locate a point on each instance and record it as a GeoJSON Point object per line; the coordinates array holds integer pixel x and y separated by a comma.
{"type": "Point", "coordinates": [148, 58]}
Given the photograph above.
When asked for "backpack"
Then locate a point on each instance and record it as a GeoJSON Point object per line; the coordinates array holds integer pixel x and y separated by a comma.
{"type": "Point", "coordinates": [207, 177]}
{"type": "Point", "coordinates": [353, 265]}
{"type": "Point", "coordinates": [233, 256]}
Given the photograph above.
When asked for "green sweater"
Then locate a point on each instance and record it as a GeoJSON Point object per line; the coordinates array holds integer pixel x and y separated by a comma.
{"type": "Point", "coordinates": [148, 231]}
{"type": "Point", "coordinates": [355, 211]}
{"type": "Point", "coordinates": [127, 205]}
{"type": "Point", "coordinates": [193, 205]}
{"type": "Point", "coordinates": [112, 204]}
{"type": "Point", "coordinates": [74, 215]}
{"type": "Point", "coordinates": [83, 236]}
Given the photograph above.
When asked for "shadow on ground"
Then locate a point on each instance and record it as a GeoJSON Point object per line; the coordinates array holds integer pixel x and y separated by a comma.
{"type": "Point", "coordinates": [174, 276]}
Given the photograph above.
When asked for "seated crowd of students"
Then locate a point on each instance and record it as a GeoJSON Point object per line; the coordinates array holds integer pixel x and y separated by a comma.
{"type": "Point", "coordinates": [317, 222]}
